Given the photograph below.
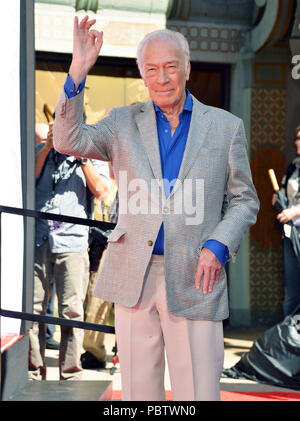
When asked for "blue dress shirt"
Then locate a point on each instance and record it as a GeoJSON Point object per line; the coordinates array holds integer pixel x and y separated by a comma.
{"type": "Point", "coordinates": [171, 150]}
{"type": "Point", "coordinates": [70, 88]}
{"type": "Point", "coordinates": [171, 153]}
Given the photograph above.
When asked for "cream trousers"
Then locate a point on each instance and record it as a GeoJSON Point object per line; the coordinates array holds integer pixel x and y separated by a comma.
{"type": "Point", "coordinates": [194, 349]}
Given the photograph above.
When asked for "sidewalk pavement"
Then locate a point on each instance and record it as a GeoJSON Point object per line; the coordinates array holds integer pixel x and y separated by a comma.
{"type": "Point", "coordinates": [236, 342]}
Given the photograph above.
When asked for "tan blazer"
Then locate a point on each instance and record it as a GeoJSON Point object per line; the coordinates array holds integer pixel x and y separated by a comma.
{"type": "Point", "coordinates": [215, 156]}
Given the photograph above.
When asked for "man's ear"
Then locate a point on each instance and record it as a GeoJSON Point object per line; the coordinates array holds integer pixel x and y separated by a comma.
{"type": "Point", "coordinates": [188, 71]}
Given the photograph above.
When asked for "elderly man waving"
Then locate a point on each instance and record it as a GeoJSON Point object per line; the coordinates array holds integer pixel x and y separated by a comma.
{"type": "Point", "coordinates": [186, 199]}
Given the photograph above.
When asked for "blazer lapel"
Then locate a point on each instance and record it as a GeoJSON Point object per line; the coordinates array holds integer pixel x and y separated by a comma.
{"type": "Point", "coordinates": [200, 124]}
{"type": "Point", "coordinates": [146, 122]}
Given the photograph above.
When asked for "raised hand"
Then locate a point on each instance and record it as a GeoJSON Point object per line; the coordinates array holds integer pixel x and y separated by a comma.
{"type": "Point", "coordinates": [87, 44]}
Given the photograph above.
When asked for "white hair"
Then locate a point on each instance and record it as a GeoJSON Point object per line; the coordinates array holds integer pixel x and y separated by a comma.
{"type": "Point", "coordinates": [163, 35]}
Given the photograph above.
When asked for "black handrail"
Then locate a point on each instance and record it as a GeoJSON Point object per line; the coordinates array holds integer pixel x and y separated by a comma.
{"type": "Point", "coordinates": [49, 319]}
{"type": "Point", "coordinates": [62, 218]}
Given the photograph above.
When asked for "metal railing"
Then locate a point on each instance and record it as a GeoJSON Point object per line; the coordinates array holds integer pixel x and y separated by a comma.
{"type": "Point", "coordinates": [49, 319]}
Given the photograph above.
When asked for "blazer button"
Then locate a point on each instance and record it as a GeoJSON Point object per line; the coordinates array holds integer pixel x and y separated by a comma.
{"type": "Point", "coordinates": [150, 243]}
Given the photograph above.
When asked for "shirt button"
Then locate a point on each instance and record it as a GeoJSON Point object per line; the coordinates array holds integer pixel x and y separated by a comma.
{"type": "Point", "coordinates": [166, 210]}
{"type": "Point", "coordinates": [150, 243]}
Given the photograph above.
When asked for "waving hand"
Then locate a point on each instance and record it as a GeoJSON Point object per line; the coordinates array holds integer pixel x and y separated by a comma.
{"type": "Point", "coordinates": [87, 44]}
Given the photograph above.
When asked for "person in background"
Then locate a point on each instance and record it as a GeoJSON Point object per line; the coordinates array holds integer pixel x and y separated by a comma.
{"type": "Point", "coordinates": [41, 133]}
{"type": "Point", "coordinates": [290, 187]}
{"type": "Point", "coordinates": [98, 310]}
{"type": "Point", "coordinates": [65, 185]}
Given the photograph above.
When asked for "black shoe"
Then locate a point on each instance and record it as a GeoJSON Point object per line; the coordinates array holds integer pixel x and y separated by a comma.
{"type": "Point", "coordinates": [52, 344]}
{"type": "Point", "coordinates": [89, 361]}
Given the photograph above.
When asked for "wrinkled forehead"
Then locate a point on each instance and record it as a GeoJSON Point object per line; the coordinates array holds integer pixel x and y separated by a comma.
{"type": "Point", "coordinates": [160, 50]}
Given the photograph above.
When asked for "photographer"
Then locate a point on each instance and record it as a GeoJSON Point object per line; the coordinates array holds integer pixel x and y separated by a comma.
{"type": "Point", "coordinates": [65, 185]}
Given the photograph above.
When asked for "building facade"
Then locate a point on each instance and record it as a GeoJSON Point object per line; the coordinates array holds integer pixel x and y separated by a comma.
{"type": "Point", "coordinates": [244, 56]}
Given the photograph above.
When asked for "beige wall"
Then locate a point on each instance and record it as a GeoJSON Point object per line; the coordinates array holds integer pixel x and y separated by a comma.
{"type": "Point", "coordinates": [102, 93]}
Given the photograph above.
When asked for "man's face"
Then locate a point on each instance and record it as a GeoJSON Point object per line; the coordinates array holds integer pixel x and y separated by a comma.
{"type": "Point", "coordinates": [164, 73]}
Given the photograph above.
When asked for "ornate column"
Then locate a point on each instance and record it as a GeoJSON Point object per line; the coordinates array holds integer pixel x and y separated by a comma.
{"type": "Point", "coordinates": [293, 83]}
{"type": "Point", "coordinates": [264, 60]}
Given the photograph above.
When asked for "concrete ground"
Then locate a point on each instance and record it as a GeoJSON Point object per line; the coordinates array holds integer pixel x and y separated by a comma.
{"type": "Point", "coordinates": [236, 341]}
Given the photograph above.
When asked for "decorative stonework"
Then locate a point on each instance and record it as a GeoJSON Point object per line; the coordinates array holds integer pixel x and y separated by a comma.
{"type": "Point", "coordinates": [266, 289]}
{"type": "Point", "coordinates": [266, 284]}
{"type": "Point", "coordinates": [123, 30]}
{"type": "Point", "coordinates": [204, 37]}
{"type": "Point", "coordinates": [268, 73]}
{"type": "Point", "coordinates": [267, 148]}
{"type": "Point", "coordinates": [268, 109]}
{"type": "Point", "coordinates": [211, 42]}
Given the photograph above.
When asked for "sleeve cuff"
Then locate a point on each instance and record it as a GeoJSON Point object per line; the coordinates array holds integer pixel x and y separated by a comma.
{"type": "Point", "coordinates": [219, 249]}
{"type": "Point", "coordinates": [70, 88]}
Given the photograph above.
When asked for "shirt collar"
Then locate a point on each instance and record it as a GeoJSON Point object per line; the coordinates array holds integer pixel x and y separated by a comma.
{"type": "Point", "coordinates": [188, 105]}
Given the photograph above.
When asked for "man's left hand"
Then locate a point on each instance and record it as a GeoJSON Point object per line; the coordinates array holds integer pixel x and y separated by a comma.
{"type": "Point", "coordinates": [208, 270]}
